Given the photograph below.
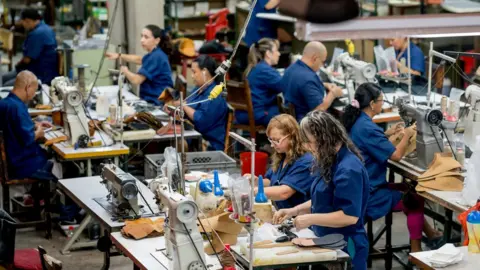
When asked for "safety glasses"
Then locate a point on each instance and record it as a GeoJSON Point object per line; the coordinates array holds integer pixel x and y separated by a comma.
{"type": "Point", "coordinates": [277, 142]}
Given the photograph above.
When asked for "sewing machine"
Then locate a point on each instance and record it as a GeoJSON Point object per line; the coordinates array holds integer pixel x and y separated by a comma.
{"type": "Point", "coordinates": [183, 241]}
{"type": "Point", "coordinates": [428, 140]}
{"type": "Point", "coordinates": [122, 191]}
{"type": "Point", "coordinates": [472, 124]}
{"type": "Point", "coordinates": [356, 72]}
{"type": "Point", "coordinates": [75, 122]}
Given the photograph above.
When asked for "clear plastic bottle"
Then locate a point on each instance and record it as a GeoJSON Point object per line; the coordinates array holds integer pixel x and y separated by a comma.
{"type": "Point", "coordinates": [70, 232]}
{"type": "Point", "coordinates": [460, 148]}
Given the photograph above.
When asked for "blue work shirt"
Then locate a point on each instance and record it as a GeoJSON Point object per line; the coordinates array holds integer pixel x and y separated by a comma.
{"type": "Point", "coordinates": [210, 117]}
{"type": "Point", "coordinates": [40, 46]}
{"type": "Point", "coordinates": [376, 149]}
{"type": "Point", "coordinates": [296, 175]}
{"type": "Point", "coordinates": [24, 155]}
{"type": "Point", "coordinates": [303, 88]}
{"type": "Point", "coordinates": [265, 84]}
{"type": "Point", "coordinates": [348, 191]}
{"type": "Point", "coordinates": [417, 56]}
{"type": "Point", "coordinates": [158, 75]}
{"type": "Point", "coordinates": [259, 28]}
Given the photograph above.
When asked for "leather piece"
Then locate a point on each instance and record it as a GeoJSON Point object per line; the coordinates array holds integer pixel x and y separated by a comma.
{"type": "Point", "coordinates": [142, 228]}
{"type": "Point", "coordinates": [445, 183]}
{"type": "Point", "coordinates": [442, 162]}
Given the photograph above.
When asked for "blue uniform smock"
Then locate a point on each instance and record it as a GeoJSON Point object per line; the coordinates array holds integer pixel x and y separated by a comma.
{"type": "Point", "coordinates": [156, 69]}
{"type": "Point", "coordinates": [24, 155]}
{"type": "Point", "coordinates": [210, 118]}
{"type": "Point", "coordinates": [347, 191]}
{"type": "Point", "coordinates": [303, 88]}
{"type": "Point", "coordinates": [296, 175]}
{"type": "Point", "coordinates": [376, 150]}
{"type": "Point", "coordinates": [417, 57]}
{"type": "Point", "coordinates": [265, 84]}
{"type": "Point", "coordinates": [259, 28]}
{"type": "Point", "coordinates": [40, 46]}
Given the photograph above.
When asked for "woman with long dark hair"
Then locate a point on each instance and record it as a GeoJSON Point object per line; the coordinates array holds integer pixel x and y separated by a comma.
{"type": "Point", "coordinates": [264, 81]}
{"type": "Point", "coordinates": [339, 195]}
{"type": "Point", "coordinates": [376, 150]}
{"type": "Point", "coordinates": [155, 74]}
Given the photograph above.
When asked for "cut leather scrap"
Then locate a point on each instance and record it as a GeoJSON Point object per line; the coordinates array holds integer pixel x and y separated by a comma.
{"type": "Point", "coordinates": [442, 162]}
{"type": "Point", "coordinates": [444, 174]}
{"type": "Point", "coordinates": [331, 241]}
{"type": "Point", "coordinates": [412, 143]}
{"type": "Point", "coordinates": [445, 183]}
{"type": "Point", "coordinates": [143, 227]}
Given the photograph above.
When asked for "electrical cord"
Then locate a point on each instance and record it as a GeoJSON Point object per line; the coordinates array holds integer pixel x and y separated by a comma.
{"type": "Point", "coordinates": [209, 241]}
{"type": "Point", "coordinates": [196, 249]}
{"type": "Point", "coordinates": [105, 48]}
{"type": "Point", "coordinates": [449, 143]}
{"type": "Point", "coordinates": [436, 139]}
{"type": "Point", "coordinates": [150, 208]}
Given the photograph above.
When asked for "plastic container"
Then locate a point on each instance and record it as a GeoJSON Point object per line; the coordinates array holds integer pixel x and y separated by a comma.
{"type": "Point", "coordinates": [196, 161]}
{"type": "Point", "coordinates": [261, 161]}
{"type": "Point", "coordinates": [473, 224]}
{"type": "Point", "coordinates": [70, 232]}
{"type": "Point", "coordinates": [460, 148]}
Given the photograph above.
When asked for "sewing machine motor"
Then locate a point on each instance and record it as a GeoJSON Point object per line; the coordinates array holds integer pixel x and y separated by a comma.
{"type": "Point", "coordinates": [122, 191]}
{"type": "Point", "coordinates": [184, 243]}
{"type": "Point", "coordinates": [75, 122]}
{"type": "Point", "coordinates": [429, 140]}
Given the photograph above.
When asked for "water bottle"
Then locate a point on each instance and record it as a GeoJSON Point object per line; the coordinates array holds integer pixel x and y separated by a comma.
{"type": "Point", "coordinates": [473, 225]}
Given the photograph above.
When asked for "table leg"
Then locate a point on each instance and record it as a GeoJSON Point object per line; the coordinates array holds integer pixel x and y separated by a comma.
{"type": "Point", "coordinates": [89, 167]}
{"type": "Point", "coordinates": [448, 225]}
{"type": "Point", "coordinates": [76, 234]}
{"type": "Point", "coordinates": [135, 267]}
{"type": "Point", "coordinates": [106, 255]}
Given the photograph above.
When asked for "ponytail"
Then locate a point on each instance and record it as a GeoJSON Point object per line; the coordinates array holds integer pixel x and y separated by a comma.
{"type": "Point", "coordinates": [258, 50]}
{"type": "Point", "coordinates": [365, 93]}
{"type": "Point", "coordinates": [165, 41]}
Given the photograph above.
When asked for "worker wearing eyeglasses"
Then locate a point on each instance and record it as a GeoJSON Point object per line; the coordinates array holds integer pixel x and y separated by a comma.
{"type": "Point", "coordinates": [289, 179]}
{"type": "Point", "coordinates": [417, 57]}
{"type": "Point", "coordinates": [376, 150]}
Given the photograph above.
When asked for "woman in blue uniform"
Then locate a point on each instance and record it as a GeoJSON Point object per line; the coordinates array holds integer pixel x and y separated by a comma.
{"type": "Point", "coordinates": [416, 56]}
{"type": "Point", "coordinates": [155, 74]}
{"type": "Point", "coordinates": [210, 117]}
{"type": "Point", "coordinates": [340, 193]}
{"type": "Point", "coordinates": [264, 82]}
{"type": "Point", "coordinates": [376, 149]}
{"type": "Point", "coordinates": [288, 181]}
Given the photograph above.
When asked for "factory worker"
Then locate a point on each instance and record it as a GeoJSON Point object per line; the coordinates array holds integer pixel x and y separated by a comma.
{"type": "Point", "coordinates": [302, 86]}
{"type": "Point", "coordinates": [288, 181]}
{"type": "Point", "coordinates": [376, 149]}
{"type": "Point", "coordinates": [209, 118]}
{"type": "Point", "coordinates": [416, 55]}
{"type": "Point", "coordinates": [264, 82]}
{"type": "Point", "coordinates": [339, 195]}
{"type": "Point", "coordinates": [155, 74]}
{"type": "Point", "coordinates": [259, 28]}
{"type": "Point", "coordinates": [26, 159]}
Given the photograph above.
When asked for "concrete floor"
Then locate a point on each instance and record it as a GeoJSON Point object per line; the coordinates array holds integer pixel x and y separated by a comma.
{"type": "Point", "coordinates": [93, 259]}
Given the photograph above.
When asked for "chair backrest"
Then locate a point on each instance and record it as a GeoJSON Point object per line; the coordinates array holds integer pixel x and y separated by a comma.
{"type": "Point", "coordinates": [6, 37]}
{"type": "Point", "coordinates": [227, 148]}
{"type": "Point", "coordinates": [181, 85]}
{"type": "Point", "coordinates": [438, 72]}
{"type": "Point", "coordinates": [3, 160]}
{"type": "Point", "coordinates": [60, 64]}
{"type": "Point", "coordinates": [289, 109]}
{"type": "Point", "coordinates": [240, 98]}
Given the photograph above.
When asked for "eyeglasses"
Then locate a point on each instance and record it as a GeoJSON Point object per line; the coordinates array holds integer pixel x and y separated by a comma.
{"type": "Point", "coordinates": [380, 100]}
{"type": "Point", "coordinates": [277, 142]}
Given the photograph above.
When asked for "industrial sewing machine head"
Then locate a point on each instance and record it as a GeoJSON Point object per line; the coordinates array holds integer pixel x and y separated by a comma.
{"type": "Point", "coordinates": [472, 125]}
{"type": "Point", "coordinates": [75, 122]}
{"type": "Point", "coordinates": [184, 243]}
{"type": "Point", "coordinates": [122, 191]}
{"type": "Point", "coordinates": [357, 71]}
{"type": "Point", "coordinates": [429, 140]}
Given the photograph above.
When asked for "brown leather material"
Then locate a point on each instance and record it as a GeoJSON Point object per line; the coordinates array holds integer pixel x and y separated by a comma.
{"type": "Point", "coordinates": [142, 228]}
{"type": "Point", "coordinates": [446, 183]}
{"type": "Point", "coordinates": [56, 140]}
{"type": "Point", "coordinates": [445, 174]}
{"type": "Point", "coordinates": [442, 162]}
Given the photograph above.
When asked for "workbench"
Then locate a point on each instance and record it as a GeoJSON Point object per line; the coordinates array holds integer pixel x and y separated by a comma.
{"type": "Point", "coordinates": [82, 191]}
{"type": "Point", "coordinates": [471, 261]}
{"type": "Point", "coordinates": [66, 151]}
{"type": "Point", "coordinates": [449, 200]}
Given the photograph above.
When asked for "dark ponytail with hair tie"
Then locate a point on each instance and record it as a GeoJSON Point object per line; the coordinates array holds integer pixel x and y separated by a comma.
{"type": "Point", "coordinates": [365, 93]}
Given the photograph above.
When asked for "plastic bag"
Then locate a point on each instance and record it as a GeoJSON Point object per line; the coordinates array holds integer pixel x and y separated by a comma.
{"type": "Point", "coordinates": [240, 189]}
{"type": "Point", "coordinates": [172, 167]}
{"type": "Point", "coordinates": [471, 187]}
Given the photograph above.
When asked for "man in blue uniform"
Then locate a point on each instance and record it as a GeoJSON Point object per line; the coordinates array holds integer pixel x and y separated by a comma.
{"type": "Point", "coordinates": [416, 55]}
{"type": "Point", "coordinates": [302, 85]}
{"type": "Point", "coordinates": [39, 50]}
{"type": "Point", "coordinates": [26, 159]}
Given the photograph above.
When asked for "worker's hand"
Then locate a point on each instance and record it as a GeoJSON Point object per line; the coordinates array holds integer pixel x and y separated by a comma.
{"type": "Point", "coordinates": [176, 103]}
{"type": "Point", "coordinates": [283, 214]}
{"type": "Point", "coordinates": [401, 67]}
{"type": "Point", "coordinates": [302, 222]}
{"type": "Point", "coordinates": [409, 132]}
{"type": "Point", "coordinates": [272, 4]}
{"type": "Point", "coordinates": [397, 128]}
{"type": "Point", "coordinates": [124, 69]}
{"type": "Point", "coordinates": [39, 132]}
{"type": "Point", "coordinates": [112, 56]}
{"type": "Point", "coordinates": [45, 124]}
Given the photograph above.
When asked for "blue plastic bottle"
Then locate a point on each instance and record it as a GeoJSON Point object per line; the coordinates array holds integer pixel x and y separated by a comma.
{"type": "Point", "coordinates": [260, 198]}
{"type": "Point", "coordinates": [217, 188]}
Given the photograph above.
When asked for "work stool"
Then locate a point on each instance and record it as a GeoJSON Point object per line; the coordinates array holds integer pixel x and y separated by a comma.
{"type": "Point", "coordinates": [240, 99]}
{"type": "Point", "coordinates": [43, 187]}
